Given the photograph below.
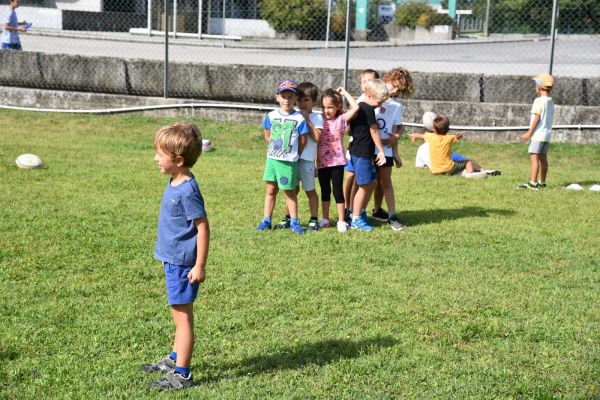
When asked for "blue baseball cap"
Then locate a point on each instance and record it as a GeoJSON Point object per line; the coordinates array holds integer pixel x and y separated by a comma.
{"type": "Point", "coordinates": [287, 85]}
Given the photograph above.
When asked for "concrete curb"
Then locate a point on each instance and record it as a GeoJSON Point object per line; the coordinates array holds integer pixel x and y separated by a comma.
{"type": "Point", "coordinates": [461, 113]}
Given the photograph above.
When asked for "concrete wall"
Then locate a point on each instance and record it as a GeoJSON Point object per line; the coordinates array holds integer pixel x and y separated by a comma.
{"type": "Point", "coordinates": [468, 99]}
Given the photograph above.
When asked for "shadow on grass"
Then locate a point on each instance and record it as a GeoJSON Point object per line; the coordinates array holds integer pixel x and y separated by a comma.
{"type": "Point", "coordinates": [319, 353]}
{"type": "Point", "coordinates": [420, 217]}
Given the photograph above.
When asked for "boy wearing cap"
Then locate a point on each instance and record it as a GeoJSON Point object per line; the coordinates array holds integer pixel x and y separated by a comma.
{"type": "Point", "coordinates": [285, 132]}
{"type": "Point", "coordinates": [540, 132]}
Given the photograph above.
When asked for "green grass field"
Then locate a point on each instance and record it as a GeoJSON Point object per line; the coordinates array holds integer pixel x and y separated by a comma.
{"type": "Point", "coordinates": [491, 292]}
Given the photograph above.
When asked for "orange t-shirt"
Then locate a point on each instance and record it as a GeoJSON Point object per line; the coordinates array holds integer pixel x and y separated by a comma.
{"type": "Point", "coordinates": [440, 147]}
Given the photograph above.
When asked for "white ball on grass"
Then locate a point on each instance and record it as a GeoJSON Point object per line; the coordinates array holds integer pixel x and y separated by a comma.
{"type": "Point", "coordinates": [28, 161]}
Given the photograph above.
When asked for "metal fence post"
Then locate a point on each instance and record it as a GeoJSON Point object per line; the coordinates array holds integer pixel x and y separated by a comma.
{"type": "Point", "coordinates": [347, 49]}
{"type": "Point", "coordinates": [200, 19]}
{"type": "Point", "coordinates": [149, 17]}
{"type": "Point", "coordinates": [166, 66]}
{"type": "Point", "coordinates": [223, 27]}
{"type": "Point", "coordinates": [174, 18]}
{"type": "Point", "coordinates": [328, 23]}
{"type": "Point", "coordinates": [553, 34]}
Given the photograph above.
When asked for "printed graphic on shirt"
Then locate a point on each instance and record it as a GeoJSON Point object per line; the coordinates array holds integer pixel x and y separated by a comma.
{"type": "Point", "coordinates": [280, 145]}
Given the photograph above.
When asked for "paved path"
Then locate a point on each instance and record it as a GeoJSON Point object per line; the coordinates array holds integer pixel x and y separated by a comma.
{"type": "Point", "coordinates": [577, 57]}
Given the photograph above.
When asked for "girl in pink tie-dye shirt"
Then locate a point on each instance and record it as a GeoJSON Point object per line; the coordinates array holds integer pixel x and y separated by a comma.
{"type": "Point", "coordinates": [331, 157]}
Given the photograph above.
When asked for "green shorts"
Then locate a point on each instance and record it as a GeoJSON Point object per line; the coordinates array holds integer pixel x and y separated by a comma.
{"type": "Point", "coordinates": [285, 173]}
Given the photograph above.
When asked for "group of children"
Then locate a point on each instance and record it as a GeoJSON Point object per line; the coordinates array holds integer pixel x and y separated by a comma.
{"type": "Point", "coordinates": [296, 140]}
{"type": "Point", "coordinates": [375, 124]}
{"type": "Point", "coordinates": [299, 141]}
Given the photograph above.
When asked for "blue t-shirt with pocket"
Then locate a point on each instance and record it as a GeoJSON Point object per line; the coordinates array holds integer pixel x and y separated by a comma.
{"type": "Point", "coordinates": [177, 233]}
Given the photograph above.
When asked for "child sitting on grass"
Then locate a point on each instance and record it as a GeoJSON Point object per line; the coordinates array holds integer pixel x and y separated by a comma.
{"type": "Point", "coordinates": [440, 146]}
{"type": "Point", "coordinates": [181, 245]}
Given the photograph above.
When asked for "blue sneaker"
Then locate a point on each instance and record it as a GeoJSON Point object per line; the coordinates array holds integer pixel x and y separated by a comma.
{"type": "Point", "coordinates": [263, 226]}
{"type": "Point", "coordinates": [296, 227]}
{"type": "Point", "coordinates": [363, 216]}
{"type": "Point", "coordinates": [361, 225]}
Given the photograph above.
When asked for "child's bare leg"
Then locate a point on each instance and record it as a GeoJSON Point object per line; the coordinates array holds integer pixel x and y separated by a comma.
{"type": "Point", "coordinates": [313, 203]}
{"type": "Point", "coordinates": [385, 181]}
{"type": "Point", "coordinates": [270, 197]}
{"type": "Point", "coordinates": [469, 166]}
{"type": "Point", "coordinates": [287, 212]}
{"type": "Point", "coordinates": [183, 318]}
{"type": "Point", "coordinates": [535, 163]}
{"type": "Point", "coordinates": [476, 167]}
{"type": "Point", "coordinates": [359, 200]}
{"type": "Point", "coordinates": [348, 188]}
{"type": "Point", "coordinates": [543, 166]}
{"type": "Point", "coordinates": [370, 188]}
{"type": "Point", "coordinates": [378, 194]}
{"type": "Point", "coordinates": [325, 209]}
{"type": "Point", "coordinates": [396, 155]}
{"type": "Point", "coordinates": [353, 193]}
{"type": "Point", "coordinates": [292, 203]}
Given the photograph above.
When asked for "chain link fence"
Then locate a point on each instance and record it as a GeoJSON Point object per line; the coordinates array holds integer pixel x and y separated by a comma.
{"type": "Point", "coordinates": [482, 37]}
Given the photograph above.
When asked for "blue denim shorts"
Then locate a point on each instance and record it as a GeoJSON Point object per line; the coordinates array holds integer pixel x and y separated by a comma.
{"type": "Point", "coordinates": [364, 170]}
{"type": "Point", "coordinates": [179, 288]}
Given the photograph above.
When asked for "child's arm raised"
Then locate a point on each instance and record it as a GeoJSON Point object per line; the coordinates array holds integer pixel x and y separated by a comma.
{"type": "Point", "coordinates": [350, 112]}
{"type": "Point", "coordinates": [198, 272]}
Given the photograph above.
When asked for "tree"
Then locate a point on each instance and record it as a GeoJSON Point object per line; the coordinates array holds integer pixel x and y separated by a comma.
{"type": "Point", "coordinates": [420, 13]}
{"type": "Point", "coordinates": [306, 18]}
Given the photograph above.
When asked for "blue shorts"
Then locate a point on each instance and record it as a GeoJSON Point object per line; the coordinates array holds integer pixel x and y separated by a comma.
{"type": "Point", "coordinates": [458, 157]}
{"type": "Point", "coordinates": [179, 288]}
{"type": "Point", "coordinates": [349, 167]}
{"type": "Point", "coordinates": [364, 170]}
{"type": "Point", "coordinates": [11, 46]}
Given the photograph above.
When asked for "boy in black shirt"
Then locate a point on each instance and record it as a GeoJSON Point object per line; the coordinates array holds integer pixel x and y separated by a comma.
{"type": "Point", "coordinates": [365, 137]}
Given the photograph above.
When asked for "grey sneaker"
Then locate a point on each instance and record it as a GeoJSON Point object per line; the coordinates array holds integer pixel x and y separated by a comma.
{"type": "Point", "coordinates": [162, 365]}
{"type": "Point", "coordinates": [172, 381]}
{"type": "Point", "coordinates": [395, 224]}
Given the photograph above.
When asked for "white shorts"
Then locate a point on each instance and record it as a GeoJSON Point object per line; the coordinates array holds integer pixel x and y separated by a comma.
{"type": "Point", "coordinates": [306, 174]}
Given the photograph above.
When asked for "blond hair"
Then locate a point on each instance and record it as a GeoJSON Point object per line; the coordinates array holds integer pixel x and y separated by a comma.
{"type": "Point", "coordinates": [181, 139]}
{"type": "Point", "coordinates": [377, 89]}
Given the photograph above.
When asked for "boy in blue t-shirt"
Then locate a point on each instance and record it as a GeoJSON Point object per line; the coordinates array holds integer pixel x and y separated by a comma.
{"type": "Point", "coordinates": [10, 36]}
{"type": "Point", "coordinates": [182, 246]}
{"type": "Point", "coordinates": [285, 132]}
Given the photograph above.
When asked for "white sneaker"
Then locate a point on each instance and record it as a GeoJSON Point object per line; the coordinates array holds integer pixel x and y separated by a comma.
{"type": "Point", "coordinates": [342, 226]}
